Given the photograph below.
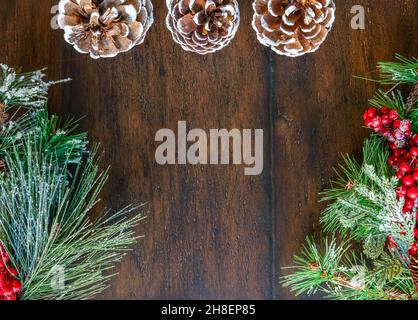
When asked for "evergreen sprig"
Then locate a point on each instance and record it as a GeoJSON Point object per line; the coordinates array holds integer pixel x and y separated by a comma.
{"type": "Point", "coordinates": [28, 90]}
{"type": "Point", "coordinates": [50, 185]}
{"type": "Point", "coordinates": [363, 208]}
{"type": "Point", "coordinates": [333, 269]}
{"type": "Point", "coordinates": [45, 224]}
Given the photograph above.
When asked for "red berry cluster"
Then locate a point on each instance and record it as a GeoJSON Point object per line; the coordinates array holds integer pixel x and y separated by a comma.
{"type": "Point", "coordinates": [403, 157]}
{"type": "Point", "coordinates": [9, 284]}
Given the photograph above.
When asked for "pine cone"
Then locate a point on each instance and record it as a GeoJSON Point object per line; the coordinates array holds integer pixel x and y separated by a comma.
{"type": "Point", "coordinates": [293, 27]}
{"type": "Point", "coordinates": [203, 26]}
{"type": "Point", "coordinates": [105, 28]}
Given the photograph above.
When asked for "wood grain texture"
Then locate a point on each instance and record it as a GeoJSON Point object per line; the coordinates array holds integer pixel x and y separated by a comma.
{"type": "Point", "coordinates": [212, 232]}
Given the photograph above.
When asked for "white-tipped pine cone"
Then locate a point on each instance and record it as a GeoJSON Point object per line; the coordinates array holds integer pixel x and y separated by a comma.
{"type": "Point", "coordinates": [293, 27]}
{"type": "Point", "coordinates": [203, 26]}
{"type": "Point", "coordinates": [105, 28]}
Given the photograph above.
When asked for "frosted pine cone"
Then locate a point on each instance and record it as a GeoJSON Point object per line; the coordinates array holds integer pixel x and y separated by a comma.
{"type": "Point", "coordinates": [293, 27]}
{"type": "Point", "coordinates": [203, 26]}
{"type": "Point", "coordinates": [105, 28]}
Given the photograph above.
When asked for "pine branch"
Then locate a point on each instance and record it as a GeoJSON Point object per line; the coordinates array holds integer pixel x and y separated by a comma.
{"type": "Point", "coordinates": [45, 224]}
{"type": "Point", "coordinates": [392, 100]}
{"type": "Point", "coordinates": [413, 97]}
{"type": "Point", "coordinates": [403, 72]}
{"type": "Point", "coordinates": [363, 206]}
{"type": "Point", "coordinates": [46, 195]}
{"type": "Point", "coordinates": [330, 269]}
{"type": "Point", "coordinates": [28, 90]}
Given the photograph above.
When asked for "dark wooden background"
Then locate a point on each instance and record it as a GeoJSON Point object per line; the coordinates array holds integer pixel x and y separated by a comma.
{"type": "Point", "coordinates": [212, 232]}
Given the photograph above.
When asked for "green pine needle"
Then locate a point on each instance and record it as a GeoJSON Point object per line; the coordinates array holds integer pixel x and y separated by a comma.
{"type": "Point", "coordinates": [46, 195]}
{"type": "Point", "coordinates": [405, 71]}
{"type": "Point", "coordinates": [45, 224]}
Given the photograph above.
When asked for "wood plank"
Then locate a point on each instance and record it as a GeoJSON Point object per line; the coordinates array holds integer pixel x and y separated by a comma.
{"type": "Point", "coordinates": [212, 232]}
{"type": "Point", "coordinates": [208, 232]}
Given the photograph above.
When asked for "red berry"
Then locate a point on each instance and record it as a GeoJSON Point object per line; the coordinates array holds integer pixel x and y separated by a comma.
{"type": "Point", "coordinates": [399, 175]}
{"type": "Point", "coordinates": [404, 167]}
{"type": "Point", "coordinates": [415, 140]}
{"type": "Point", "coordinates": [11, 296]}
{"type": "Point", "coordinates": [371, 112]}
{"type": "Point", "coordinates": [13, 271]}
{"type": "Point", "coordinates": [4, 256]}
{"type": "Point", "coordinates": [412, 193]}
{"type": "Point", "coordinates": [407, 157]}
{"type": "Point", "coordinates": [414, 249]}
{"type": "Point", "coordinates": [365, 116]}
{"type": "Point", "coordinates": [390, 161]}
{"type": "Point", "coordinates": [385, 120]}
{"type": "Point", "coordinates": [401, 191]}
{"type": "Point", "coordinates": [406, 208]}
{"type": "Point", "coordinates": [409, 204]}
{"type": "Point", "coordinates": [384, 110]}
{"type": "Point", "coordinates": [6, 290]}
{"type": "Point", "coordinates": [16, 285]}
{"type": "Point", "coordinates": [377, 121]}
{"type": "Point", "coordinates": [378, 128]}
{"type": "Point", "coordinates": [415, 175]}
{"type": "Point", "coordinates": [385, 132]}
{"type": "Point", "coordinates": [408, 180]}
{"type": "Point", "coordinates": [392, 146]}
{"type": "Point", "coordinates": [368, 123]}
{"type": "Point", "coordinates": [414, 151]}
{"type": "Point", "coordinates": [393, 115]}
{"type": "Point", "coordinates": [396, 124]}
